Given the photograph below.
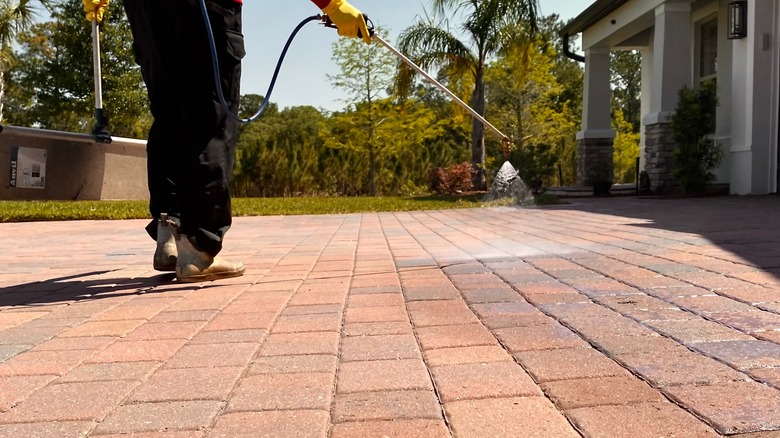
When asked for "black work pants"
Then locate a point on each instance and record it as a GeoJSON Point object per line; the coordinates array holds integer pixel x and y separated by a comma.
{"type": "Point", "coordinates": [191, 144]}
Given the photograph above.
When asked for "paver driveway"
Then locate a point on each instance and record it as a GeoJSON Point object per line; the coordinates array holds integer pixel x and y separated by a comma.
{"type": "Point", "coordinates": [616, 317]}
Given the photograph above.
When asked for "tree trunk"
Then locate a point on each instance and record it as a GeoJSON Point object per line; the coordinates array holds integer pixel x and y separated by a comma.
{"type": "Point", "coordinates": [478, 133]}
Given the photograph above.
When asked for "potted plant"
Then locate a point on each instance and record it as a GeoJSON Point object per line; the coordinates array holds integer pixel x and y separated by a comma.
{"type": "Point", "coordinates": [601, 178]}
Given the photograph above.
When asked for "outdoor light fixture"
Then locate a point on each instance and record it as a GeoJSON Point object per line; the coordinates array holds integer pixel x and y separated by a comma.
{"type": "Point", "coordinates": [738, 19]}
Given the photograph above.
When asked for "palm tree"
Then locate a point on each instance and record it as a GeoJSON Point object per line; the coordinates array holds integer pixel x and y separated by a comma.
{"type": "Point", "coordinates": [16, 17]}
{"type": "Point", "coordinates": [490, 26]}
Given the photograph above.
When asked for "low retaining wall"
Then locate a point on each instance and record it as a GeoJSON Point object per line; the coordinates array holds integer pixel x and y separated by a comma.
{"type": "Point", "coordinates": [38, 164]}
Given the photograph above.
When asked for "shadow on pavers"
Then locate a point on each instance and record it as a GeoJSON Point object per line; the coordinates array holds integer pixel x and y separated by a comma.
{"type": "Point", "coordinates": [86, 286]}
{"type": "Point", "coordinates": [748, 226]}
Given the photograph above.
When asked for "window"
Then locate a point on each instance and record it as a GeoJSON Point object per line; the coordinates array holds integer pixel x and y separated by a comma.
{"type": "Point", "coordinates": [708, 50]}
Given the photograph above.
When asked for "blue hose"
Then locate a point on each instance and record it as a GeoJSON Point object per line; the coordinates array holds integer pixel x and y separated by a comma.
{"type": "Point", "coordinates": [218, 79]}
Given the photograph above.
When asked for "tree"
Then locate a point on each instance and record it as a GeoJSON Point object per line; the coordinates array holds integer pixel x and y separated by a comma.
{"type": "Point", "coordinates": [52, 74]}
{"type": "Point", "coordinates": [627, 85]}
{"type": "Point", "coordinates": [525, 98]}
{"type": "Point", "coordinates": [626, 149]}
{"type": "Point", "coordinates": [15, 19]}
{"type": "Point", "coordinates": [489, 25]}
{"type": "Point", "coordinates": [366, 74]}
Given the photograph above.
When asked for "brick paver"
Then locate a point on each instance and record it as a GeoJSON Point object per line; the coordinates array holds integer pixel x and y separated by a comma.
{"type": "Point", "coordinates": [615, 317]}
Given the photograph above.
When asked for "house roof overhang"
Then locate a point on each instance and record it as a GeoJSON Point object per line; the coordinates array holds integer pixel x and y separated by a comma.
{"type": "Point", "coordinates": [595, 12]}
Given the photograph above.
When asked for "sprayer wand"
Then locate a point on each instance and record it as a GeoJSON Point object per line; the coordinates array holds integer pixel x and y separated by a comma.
{"type": "Point", "coordinates": [505, 140]}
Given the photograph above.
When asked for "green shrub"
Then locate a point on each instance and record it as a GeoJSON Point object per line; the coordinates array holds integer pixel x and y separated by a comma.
{"type": "Point", "coordinates": [693, 123]}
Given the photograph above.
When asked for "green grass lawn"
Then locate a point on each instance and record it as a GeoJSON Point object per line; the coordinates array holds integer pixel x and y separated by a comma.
{"type": "Point", "coordinates": [26, 211]}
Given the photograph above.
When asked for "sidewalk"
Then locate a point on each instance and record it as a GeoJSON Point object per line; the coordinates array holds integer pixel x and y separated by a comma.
{"type": "Point", "coordinates": [610, 318]}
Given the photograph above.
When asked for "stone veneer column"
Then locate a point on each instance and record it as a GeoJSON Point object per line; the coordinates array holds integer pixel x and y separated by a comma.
{"type": "Point", "coordinates": [595, 141]}
{"type": "Point", "coordinates": [659, 161]}
{"type": "Point", "coordinates": [592, 152]}
{"type": "Point", "coordinates": [671, 70]}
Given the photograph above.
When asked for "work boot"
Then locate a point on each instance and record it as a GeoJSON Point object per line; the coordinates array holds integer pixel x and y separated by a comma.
{"type": "Point", "coordinates": [194, 265]}
{"type": "Point", "coordinates": [165, 254]}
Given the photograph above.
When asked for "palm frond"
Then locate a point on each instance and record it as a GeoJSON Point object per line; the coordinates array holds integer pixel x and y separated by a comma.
{"type": "Point", "coordinates": [430, 46]}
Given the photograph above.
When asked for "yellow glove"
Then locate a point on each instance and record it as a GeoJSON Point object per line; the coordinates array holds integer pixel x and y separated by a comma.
{"type": "Point", "coordinates": [95, 9]}
{"type": "Point", "coordinates": [348, 20]}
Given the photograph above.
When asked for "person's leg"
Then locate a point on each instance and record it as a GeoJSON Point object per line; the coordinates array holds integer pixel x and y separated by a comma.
{"type": "Point", "coordinates": [206, 137]}
{"type": "Point", "coordinates": [151, 47]}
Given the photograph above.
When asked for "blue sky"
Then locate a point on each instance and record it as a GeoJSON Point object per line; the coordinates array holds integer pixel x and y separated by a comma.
{"type": "Point", "coordinates": [303, 79]}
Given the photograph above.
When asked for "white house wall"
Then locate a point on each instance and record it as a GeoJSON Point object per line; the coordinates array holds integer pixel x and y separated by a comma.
{"type": "Point", "coordinates": [754, 105]}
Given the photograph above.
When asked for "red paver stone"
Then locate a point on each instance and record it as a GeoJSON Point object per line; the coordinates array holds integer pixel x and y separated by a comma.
{"type": "Point", "coordinates": [315, 309]}
{"type": "Point", "coordinates": [103, 328]}
{"type": "Point", "coordinates": [493, 310]}
{"type": "Point", "coordinates": [376, 314]}
{"type": "Point", "coordinates": [139, 351]}
{"type": "Point", "coordinates": [508, 417]}
{"type": "Point", "coordinates": [308, 323]}
{"type": "Point", "coordinates": [490, 295]}
{"type": "Point", "coordinates": [697, 330]}
{"type": "Point", "coordinates": [383, 375]}
{"type": "Point", "coordinates": [381, 347]}
{"type": "Point", "coordinates": [14, 389]}
{"type": "Point", "coordinates": [213, 355]}
{"type": "Point", "coordinates": [462, 355]}
{"type": "Point", "coordinates": [241, 321]}
{"type": "Point", "coordinates": [264, 392]}
{"type": "Point", "coordinates": [770, 376]}
{"type": "Point", "coordinates": [617, 345]}
{"type": "Point", "coordinates": [500, 322]}
{"type": "Point", "coordinates": [70, 401]}
{"type": "Point", "coordinates": [539, 337]}
{"type": "Point", "coordinates": [391, 429]}
{"type": "Point", "coordinates": [446, 336]}
{"type": "Point", "coordinates": [481, 380]}
{"type": "Point", "coordinates": [178, 434]}
{"type": "Point", "coordinates": [90, 343]}
{"type": "Point", "coordinates": [711, 304]}
{"type": "Point", "coordinates": [389, 405]}
{"type": "Point", "coordinates": [230, 336]}
{"type": "Point", "coordinates": [52, 429]}
{"type": "Point", "coordinates": [301, 343]}
{"type": "Point", "coordinates": [577, 310]}
{"type": "Point", "coordinates": [96, 372]}
{"type": "Point", "coordinates": [736, 407]}
{"type": "Point", "coordinates": [750, 322]}
{"type": "Point", "coordinates": [376, 300]}
{"type": "Point", "coordinates": [168, 416]}
{"type": "Point", "coordinates": [578, 393]}
{"type": "Point", "coordinates": [187, 384]}
{"type": "Point", "coordinates": [743, 355]}
{"type": "Point", "coordinates": [616, 325]}
{"type": "Point", "coordinates": [639, 420]}
{"type": "Point", "coordinates": [294, 364]}
{"type": "Point", "coordinates": [376, 328]}
{"type": "Point", "coordinates": [192, 315]}
{"type": "Point", "coordinates": [541, 299]}
{"type": "Point", "coordinates": [168, 330]}
{"type": "Point", "coordinates": [427, 293]}
{"type": "Point", "coordinates": [679, 368]}
{"type": "Point", "coordinates": [448, 312]}
{"type": "Point", "coordinates": [312, 424]}
{"type": "Point", "coordinates": [31, 363]}
{"type": "Point", "coordinates": [570, 363]}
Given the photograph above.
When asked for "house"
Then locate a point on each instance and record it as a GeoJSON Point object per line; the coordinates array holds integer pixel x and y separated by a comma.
{"type": "Point", "coordinates": [686, 42]}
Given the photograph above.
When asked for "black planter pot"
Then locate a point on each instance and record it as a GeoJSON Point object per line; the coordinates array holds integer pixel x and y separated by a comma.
{"type": "Point", "coordinates": [601, 188]}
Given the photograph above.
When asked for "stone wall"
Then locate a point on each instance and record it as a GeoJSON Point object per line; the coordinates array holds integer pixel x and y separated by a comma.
{"type": "Point", "coordinates": [593, 152]}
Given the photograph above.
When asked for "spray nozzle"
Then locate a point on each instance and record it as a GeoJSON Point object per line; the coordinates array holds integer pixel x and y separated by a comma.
{"type": "Point", "coordinates": [370, 24]}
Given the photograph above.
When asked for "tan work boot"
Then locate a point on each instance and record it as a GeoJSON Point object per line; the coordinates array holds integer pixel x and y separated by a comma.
{"type": "Point", "coordinates": [165, 254]}
{"type": "Point", "coordinates": [194, 265]}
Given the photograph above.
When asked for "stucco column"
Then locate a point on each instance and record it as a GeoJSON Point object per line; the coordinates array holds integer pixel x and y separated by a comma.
{"type": "Point", "coordinates": [753, 97]}
{"type": "Point", "coordinates": [671, 70]}
{"type": "Point", "coordinates": [595, 141]}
